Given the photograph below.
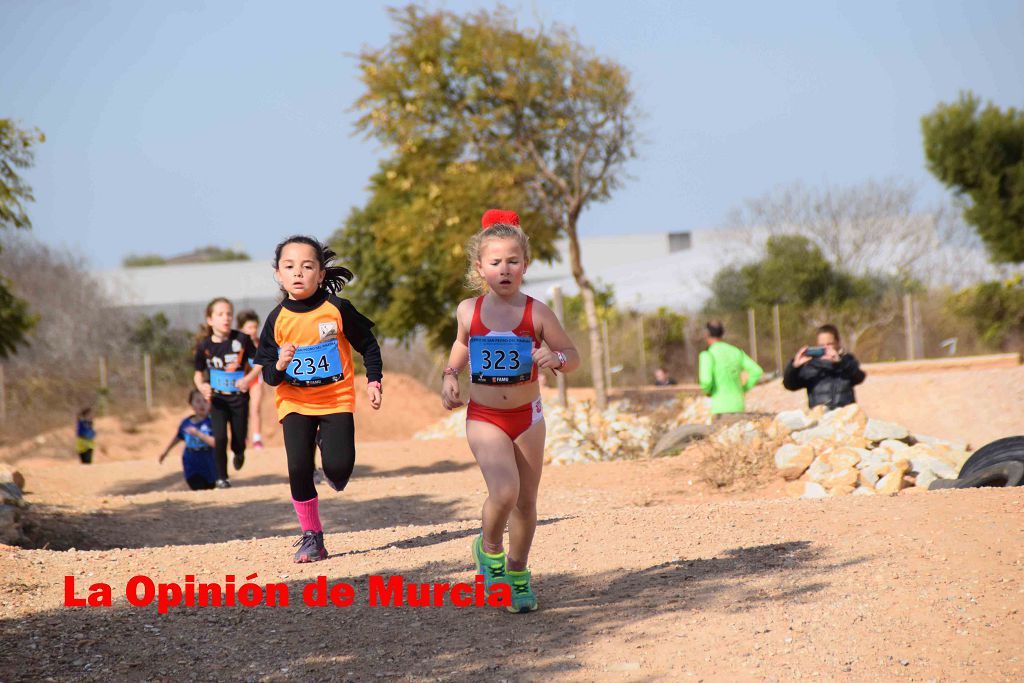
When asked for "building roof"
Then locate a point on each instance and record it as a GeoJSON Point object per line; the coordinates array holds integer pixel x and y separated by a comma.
{"type": "Point", "coordinates": [646, 271]}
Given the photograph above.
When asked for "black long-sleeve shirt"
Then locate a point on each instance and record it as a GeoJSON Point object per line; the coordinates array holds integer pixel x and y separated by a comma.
{"type": "Point", "coordinates": [321, 318]}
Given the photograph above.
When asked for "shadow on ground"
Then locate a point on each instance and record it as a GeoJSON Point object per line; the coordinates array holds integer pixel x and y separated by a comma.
{"type": "Point", "coordinates": [174, 481]}
{"type": "Point", "coordinates": [329, 643]}
{"type": "Point", "coordinates": [144, 524]}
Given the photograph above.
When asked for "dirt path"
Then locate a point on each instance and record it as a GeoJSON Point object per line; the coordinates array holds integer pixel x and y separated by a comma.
{"type": "Point", "coordinates": [643, 573]}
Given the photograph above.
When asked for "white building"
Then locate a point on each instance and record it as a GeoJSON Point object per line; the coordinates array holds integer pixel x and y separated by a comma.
{"type": "Point", "coordinates": [645, 270]}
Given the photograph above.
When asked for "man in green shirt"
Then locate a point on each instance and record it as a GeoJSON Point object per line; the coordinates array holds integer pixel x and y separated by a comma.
{"type": "Point", "coordinates": [719, 372]}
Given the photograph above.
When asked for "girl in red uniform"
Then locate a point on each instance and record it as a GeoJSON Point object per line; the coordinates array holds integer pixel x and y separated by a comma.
{"type": "Point", "coordinates": [305, 351]}
{"type": "Point", "coordinates": [500, 337]}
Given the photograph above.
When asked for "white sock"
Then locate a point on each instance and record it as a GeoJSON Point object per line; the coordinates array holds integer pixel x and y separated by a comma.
{"type": "Point", "coordinates": [256, 436]}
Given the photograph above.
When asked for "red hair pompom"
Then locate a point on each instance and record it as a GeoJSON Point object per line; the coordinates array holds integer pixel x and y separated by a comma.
{"type": "Point", "coordinates": [493, 216]}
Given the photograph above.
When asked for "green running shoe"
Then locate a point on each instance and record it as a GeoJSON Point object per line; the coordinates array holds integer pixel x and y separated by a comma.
{"type": "Point", "coordinates": [523, 598]}
{"type": "Point", "coordinates": [491, 566]}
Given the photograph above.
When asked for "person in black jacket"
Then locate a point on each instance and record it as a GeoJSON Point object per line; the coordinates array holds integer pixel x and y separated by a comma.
{"type": "Point", "coordinates": [828, 372]}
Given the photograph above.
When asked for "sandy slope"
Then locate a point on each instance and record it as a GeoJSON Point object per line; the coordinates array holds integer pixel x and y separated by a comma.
{"type": "Point", "coordinates": [977, 406]}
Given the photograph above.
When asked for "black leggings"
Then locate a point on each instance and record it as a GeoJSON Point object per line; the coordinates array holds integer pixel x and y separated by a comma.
{"type": "Point", "coordinates": [85, 457]}
{"type": "Point", "coordinates": [337, 450]}
{"type": "Point", "coordinates": [234, 410]}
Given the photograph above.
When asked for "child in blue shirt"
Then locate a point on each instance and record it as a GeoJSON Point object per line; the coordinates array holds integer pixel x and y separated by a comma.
{"type": "Point", "coordinates": [197, 433]}
{"type": "Point", "coordinates": [85, 435]}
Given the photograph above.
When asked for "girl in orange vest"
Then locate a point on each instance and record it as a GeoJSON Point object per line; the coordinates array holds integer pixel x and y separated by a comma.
{"type": "Point", "coordinates": [306, 353]}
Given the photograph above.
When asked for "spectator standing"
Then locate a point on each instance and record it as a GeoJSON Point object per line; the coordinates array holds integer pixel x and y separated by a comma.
{"type": "Point", "coordinates": [720, 372]}
{"type": "Point", "coordinates": [827, 371]}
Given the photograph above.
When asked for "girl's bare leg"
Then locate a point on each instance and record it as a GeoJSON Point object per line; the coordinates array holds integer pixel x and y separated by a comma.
{"type": "Point", "coordinates": [495, 454]}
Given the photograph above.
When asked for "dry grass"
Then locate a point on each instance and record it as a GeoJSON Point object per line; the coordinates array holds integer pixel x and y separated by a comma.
{"type": "Point", "coordinates": [738, 465]}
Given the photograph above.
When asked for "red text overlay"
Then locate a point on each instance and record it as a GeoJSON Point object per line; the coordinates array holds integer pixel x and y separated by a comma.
{"type": "Point", "coordinates": [381, 591]}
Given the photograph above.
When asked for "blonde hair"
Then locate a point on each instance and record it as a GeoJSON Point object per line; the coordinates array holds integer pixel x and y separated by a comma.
{"type": "Point", "coordinates": [476, 243]}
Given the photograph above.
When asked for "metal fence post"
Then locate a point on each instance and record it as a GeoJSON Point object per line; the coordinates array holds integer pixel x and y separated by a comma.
{"type": "Point", "coordinates": [645, 378]}
{"type": "Point", "coordinates": [556, 298]}
{"type": "Point", "coordinates": [607, 354]}
{"type": "Point", "coordinates": [778, 338]}
{"type": "Point", "coordinates": [908, 325]}
{"type": "Point", "coordinates": [752, 330]}
{"type": "Point", "coordinates": [147, 368]}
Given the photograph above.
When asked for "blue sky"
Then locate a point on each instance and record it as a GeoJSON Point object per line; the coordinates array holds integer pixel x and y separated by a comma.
{"type": "Point", "coordinates": [176, 125]}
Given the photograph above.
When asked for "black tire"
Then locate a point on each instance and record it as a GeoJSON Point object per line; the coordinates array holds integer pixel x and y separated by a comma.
{"type": "Point", "coordinates": [1000, 475]}
{"type": "Point", "coordinates": [1008, 449]}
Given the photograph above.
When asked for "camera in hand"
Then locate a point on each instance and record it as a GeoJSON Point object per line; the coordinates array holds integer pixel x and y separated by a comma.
{"type": "Point", "coordinates": [814, 351]}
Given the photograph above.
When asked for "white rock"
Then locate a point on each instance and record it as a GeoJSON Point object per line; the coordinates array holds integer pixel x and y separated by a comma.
{"type": "Point", "coordinates": [871, 459]}
{"type": "Point", "coordinates": [795, 420]}
{"type": "Point", "coordinates": [936, 441]}
{"type": "Point", "coordinates": [863, 491]}
{"type": "Point", "coordinates": [924, 479]}
{"type": "Point", "coordinates": [868, 477]}
{"type": "Point", "coordinates": [813, 490]}
{"type": "Point", "coordinates": [893, 446]}
{"type": "Point", "coordinates": [819, 470]}
{"type": "Point", "coordinates": [940, 468]}
{"type": "Point", "coordinates": [890, 483]}
{"type": "Point", "coordinates": [847, 415]}
{"type": "Point", "coordinates": [788, 455]}
{"type": "Point", "coordinates": [879, 430]}
{"type": "Point", "coordinates": [819, 433]}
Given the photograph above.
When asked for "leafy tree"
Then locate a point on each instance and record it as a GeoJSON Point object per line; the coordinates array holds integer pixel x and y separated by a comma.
{"type": "Point", "coordinates": [154, 335]}
{"type": "Point", "coordinates": [665, 337]}
{"type": "Point", "coordinates": [795, 273]}
{"type": "Point", "coordinates": [15, 320]}
{"type": "Point", "coordinates": [143, 260]}
{"type": "Point", "coordinates": [979, 153]}
{"type": "Point", "coordinates": [575, 313]}
{"type": "Point", "coordinates": [213, 254]}
{"type": "Point", "coordinates": [209, 254]}
{"type": "Point", "coordinates": [16, 153]}
{"type": "Point", "coordinates": [406, 244]}
{"type": "Point", "coordinates": [534, 106]}
{"type": "Point", "coordinates": [996, 309]}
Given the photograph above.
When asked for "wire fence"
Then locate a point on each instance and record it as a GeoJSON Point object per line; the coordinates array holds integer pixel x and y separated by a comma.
{"type": "Point", "coordinates": [33, 401]}
{"type": "Point", "coordinates": [637, 344]}
{"type": "Point", "coordinates": [908, 328]}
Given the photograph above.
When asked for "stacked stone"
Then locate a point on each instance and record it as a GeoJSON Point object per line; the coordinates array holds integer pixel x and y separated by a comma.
{"type": "Point", "coordinates": [11, 505]}
{"type": "Point", "coordinates": [843, 452]}
{"type": "Point", "coordinates": [582, 433]}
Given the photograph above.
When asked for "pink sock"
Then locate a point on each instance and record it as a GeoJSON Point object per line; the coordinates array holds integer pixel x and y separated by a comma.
{"type": "Point", "coordinates": [308, 512]}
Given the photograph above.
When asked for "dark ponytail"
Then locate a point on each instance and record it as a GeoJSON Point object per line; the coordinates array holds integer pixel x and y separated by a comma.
{"type": "Point", "coordinates": [337, 276]}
